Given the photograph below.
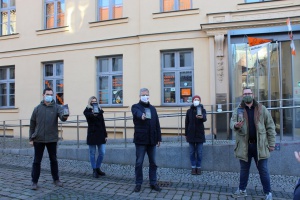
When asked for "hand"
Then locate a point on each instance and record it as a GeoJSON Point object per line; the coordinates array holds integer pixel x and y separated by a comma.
{"type": "Point", "coordinates": [239, 124]}
{"type": "Point", "coordinates": [158, 144]}
{"type": "Point", "coordinates": [31, 143]}
{"type": "Point", "coordinates": [271, 149]}
{"type": "Point", "coordinates": [143, 116]}
{"type": "Point", "coordinates": [297, 155]}
{"type": "Point", "coordinates": [199, 116]}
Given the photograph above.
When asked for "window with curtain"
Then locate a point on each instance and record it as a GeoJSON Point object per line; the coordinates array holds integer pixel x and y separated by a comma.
{"type": "Point", "coordinates": [54, 78]}
{"type": "Point", "coordinates": [110, 80]}
{"type": "Point", "coordinates": [7, 86]}
{"type": "Point", "coordinates": [173, 5]}
{"type": "Point", "coordinates": [54, 13]}
{"type": "Point", "coordinates": [7, 17]}
{"type": "Point", "coordinates": [110, 9]}
{"type": "Point", "coordinates": [177, 77]}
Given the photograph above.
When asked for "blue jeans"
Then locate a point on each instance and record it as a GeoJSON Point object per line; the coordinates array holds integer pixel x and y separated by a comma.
{"type": "Point", "coordinates": [38, 156]}
{"type": "Point", "coordinates": [101, 151]}
{"type": "Point", "coordinates": [140, 154]}
{"type": "Point", "coordinates": [262, 166]}
{"type": "Point", "coordinates": [196, 154]}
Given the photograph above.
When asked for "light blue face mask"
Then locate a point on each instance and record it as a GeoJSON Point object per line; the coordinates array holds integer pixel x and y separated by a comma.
{"type": "Point", "coordinates": [48, 98]}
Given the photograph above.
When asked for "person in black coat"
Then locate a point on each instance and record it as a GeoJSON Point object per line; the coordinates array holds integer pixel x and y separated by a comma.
{"type": "Point", "coordinates": [297, 187]}
{"type": "Point", "coordinates": [147, 135]}
{"type": "Point", "coordinates": [96, 135]}
{"type": "Point", "coordinates": [194, 133]}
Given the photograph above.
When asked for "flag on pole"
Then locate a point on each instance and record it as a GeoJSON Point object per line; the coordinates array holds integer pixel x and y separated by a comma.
{"type": "Point", "coordinates": [257, 44]}
{"type": "Point", "coordinates": [293, 49]}
{"type": "Point", "coordinates": [256, 41]}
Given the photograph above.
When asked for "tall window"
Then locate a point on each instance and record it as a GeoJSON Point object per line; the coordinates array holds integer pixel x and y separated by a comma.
{"type": "Point", "coordinates": [177, 77]}
{"type": "Point", "coordinates": [110, 9]}
{"type": "Point", "coordinates": [54, 78]}
{"type": "Point", "coordinates": [7, 17]}
{"type": "Point", "coordinates": [110, 80]}
{"type": "Point", "coordinates": [7, 86]}
{"type": "Point", "coordinates": [172, 5]}
{"type": "Point", "coordinates": [55, 13]}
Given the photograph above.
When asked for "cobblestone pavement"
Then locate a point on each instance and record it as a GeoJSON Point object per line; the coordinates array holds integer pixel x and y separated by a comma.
{"type": "Point", "coordinates": [119, 182]}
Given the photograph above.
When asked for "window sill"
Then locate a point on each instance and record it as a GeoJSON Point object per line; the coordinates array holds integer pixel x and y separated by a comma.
{"type": "Point", "coordinates": [176, 13]}
{"type": "Point", "coordinates": [9, 110]}
{"type": "Point", "coordinates": [264, 4]}
{"type": "Point", "coordinates": [109, 22]}
{"type": "Point", "coordinates": [52, 30]}
{"type": "Point", "coordinates": [8, 37]}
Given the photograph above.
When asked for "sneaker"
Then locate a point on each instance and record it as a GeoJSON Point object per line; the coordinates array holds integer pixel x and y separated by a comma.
{"type": "Point", "coordinates": [34, 186]}
{"type": "Point", "coordinates": [269, 196]}
{"type": "Point", "coordinates": [239, 193]}
{"type": "Point", "coordinates": [155, 187]}
{"type": "Point", "coordinates": [137, 188]}
{"type": "Point", "coordinates": [58, 183]}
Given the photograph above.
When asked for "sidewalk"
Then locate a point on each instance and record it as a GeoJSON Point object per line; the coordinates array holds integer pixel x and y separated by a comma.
{"type": "Point", "coordinates": [119, 182]}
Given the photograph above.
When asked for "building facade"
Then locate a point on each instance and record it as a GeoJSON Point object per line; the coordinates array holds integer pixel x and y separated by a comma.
{"type": "Point", "coordinates": [176, 48]}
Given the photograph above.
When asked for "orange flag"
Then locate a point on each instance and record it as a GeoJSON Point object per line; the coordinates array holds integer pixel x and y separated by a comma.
{"type": "Point", "coordinates": [256, 41]}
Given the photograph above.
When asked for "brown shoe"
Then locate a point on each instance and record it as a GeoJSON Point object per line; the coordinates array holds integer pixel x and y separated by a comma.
{"type": "Point", "coordinates": [198, 171]}
{"type": "Point", "coordinates": [194, 171]}
{"type": "Point", "coordinates": [58, 183]}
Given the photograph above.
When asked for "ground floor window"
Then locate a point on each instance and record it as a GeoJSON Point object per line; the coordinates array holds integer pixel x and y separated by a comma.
{"type": "Point", "coordinates": [177, 77]}
{"type": "Point", "coordinates": [110, 80]}
{"type": "Point", "coordinates": [54, 78]}
{"type": "Point", "coordinates": [7, 86]}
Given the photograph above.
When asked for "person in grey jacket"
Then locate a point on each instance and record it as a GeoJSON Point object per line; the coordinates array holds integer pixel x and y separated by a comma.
{"type": "Point", "coordinates": [43, 132]}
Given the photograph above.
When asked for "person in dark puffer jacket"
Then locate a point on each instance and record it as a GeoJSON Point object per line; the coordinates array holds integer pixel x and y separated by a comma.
{"type": "Point", "coordinates": [194, 133]}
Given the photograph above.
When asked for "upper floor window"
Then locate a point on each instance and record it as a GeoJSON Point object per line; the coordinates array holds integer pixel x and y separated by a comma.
{"type": "Point", "coordinates": [172, 5]}
{"type": "Point", "coordinates": [252, 1]}
{"type": "Point", "coordinates": [55, 13]}
{"type": "Point", "coordinates": [54, 78]}
{"type": "Point", "coordinates": [110, 9]}
{"type": "Point", "coordinates": [7, 86]}
{"type": "Point", "coordinates": [7, 17]}
{"type": "Point", "coordinates": [177, 77]}
{"type": "Point", "coordinates": [110, 80]}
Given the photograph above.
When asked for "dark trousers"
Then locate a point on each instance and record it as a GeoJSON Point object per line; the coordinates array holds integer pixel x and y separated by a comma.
{"type": "Point", "coordinates": [140, 154]}
{"type": "Point", "coordinates": [38, 156]}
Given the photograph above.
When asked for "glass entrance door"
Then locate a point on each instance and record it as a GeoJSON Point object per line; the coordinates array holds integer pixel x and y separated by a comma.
{"type": "Point", "coordinates": [271, 73]}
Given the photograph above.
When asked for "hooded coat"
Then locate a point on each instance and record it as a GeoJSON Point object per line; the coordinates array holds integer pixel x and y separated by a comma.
{"type": "Point", "coordinates": [194, 127]}
{"type": "Point", "coordinates": [96, 132]}
{"type": "Point", "coordinates": [265, 132]}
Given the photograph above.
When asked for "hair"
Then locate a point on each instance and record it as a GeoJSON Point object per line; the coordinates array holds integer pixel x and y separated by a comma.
{"type": "Point", "coordinates": [90, 99]}
{"type": "Point", "coordinates": [47, 89]}
{"type": "Point", "coordinates": [143, 90]}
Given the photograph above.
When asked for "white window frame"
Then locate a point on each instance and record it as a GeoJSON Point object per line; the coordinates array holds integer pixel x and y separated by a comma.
{"type": "Point", "coordinates": [54, 78]}
{"type": "Point", "coordinates": [176, 70]}
{"type": "Point", "coordinates": [110, 73]}
{"type": "Point", "coordinates": [7, 81]}
{"type": "Point", "coordinates": [111, 3]}
{"type": "Point", "coordinates": [55, 12]}
{"type": "Point", "coordinates": [9, 9]}
{"type": "Point", "coordinates": [176, 5]}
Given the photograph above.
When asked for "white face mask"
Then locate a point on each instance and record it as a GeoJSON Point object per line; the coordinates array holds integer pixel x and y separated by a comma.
{"type": "Point", "coordinates": [196, 103]}
{"type": "Point", "coordinates": [145, 99]}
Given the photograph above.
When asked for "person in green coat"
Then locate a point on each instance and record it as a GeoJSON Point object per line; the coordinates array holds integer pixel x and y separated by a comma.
{"type": "Point", "coordinates": [255, 135]}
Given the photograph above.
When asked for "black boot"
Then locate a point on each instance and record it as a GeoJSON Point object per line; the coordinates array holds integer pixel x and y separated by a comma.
{"type": "Point", "coordinates": [95, 174]}
{"type": "Point", "coordinates": [101, 173]}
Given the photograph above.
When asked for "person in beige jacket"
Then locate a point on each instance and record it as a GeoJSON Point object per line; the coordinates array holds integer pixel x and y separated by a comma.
{"type": "Point", "coordinates": [255, 138]}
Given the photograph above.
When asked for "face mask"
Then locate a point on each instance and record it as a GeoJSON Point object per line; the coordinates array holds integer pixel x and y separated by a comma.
{"type": "Point", "coordinates": [247, 99]}
{"type": "Point", "coordinates": [48, 98]}
{"type": "Point", "coordinates": [145, 99]}
{"type": "Point", "coordinates": [196, 103]}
